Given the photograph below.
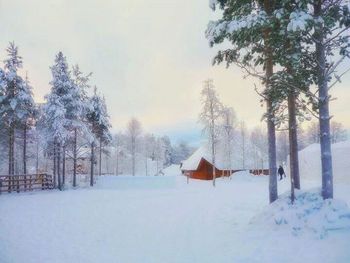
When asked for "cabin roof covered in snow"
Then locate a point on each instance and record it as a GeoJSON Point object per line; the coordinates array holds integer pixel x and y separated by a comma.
{"type": "Point", "coordinates": [221, 162]}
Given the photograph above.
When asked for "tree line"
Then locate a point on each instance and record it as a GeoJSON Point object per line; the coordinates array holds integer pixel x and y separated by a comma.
{"type": "Point", "coordinates": [69, 118]}
{"type": "Point", "coordinates": [70, 133]}
{"type": "Point", "coordinates": [295, 49]}
{"type": "Point", "coordinates": [229, 139]}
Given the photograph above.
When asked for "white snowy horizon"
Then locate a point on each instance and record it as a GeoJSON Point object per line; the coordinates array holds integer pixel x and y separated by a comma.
{"type": "Point", "coordinates": [148, 58]}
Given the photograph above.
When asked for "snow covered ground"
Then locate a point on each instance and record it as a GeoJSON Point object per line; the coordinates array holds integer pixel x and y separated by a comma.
{"type": "Point", "coordinates": [160, 219]}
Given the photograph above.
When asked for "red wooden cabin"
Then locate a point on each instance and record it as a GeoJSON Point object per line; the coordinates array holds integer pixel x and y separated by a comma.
{"type": "Point", "coordinates": [197, 166]}
{"type": "Point", "coordinates": [204, 171]}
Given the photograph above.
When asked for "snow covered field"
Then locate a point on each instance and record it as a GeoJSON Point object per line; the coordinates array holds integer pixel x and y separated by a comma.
{"type": "Point", "coordinates": [158, 219]}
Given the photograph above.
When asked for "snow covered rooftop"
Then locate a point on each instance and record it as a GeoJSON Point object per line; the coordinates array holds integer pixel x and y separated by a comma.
{"type": "Point", "coordinates": [221, 162]}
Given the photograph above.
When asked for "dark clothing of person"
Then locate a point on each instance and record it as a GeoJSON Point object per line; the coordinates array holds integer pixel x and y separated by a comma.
{"type": "Point", "coordinates": [281, 172]}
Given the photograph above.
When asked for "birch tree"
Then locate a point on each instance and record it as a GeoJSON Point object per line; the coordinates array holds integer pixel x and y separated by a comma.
{"type": "Point", "coordinates": [134, 131]}
{"type": "Point", "coordinates": [229, 120]}
{"type": "Point", "coordinates": [243, 142]}
{"type": "Point", "coordinates": [210, 117]}
{"type": "Point", "coordinates": [338, 132]}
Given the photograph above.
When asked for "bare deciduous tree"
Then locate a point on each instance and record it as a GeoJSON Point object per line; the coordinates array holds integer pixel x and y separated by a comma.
{"type": "Point", "coordinates": [134, 131]}
{"type": "Point", "coordinates": [210, 117]}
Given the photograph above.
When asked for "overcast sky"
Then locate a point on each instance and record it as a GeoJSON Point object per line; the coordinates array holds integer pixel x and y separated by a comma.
{"type": "Point", "coordinates": [148, 57]}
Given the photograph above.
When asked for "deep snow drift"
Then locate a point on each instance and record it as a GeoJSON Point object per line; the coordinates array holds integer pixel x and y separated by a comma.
{"type": "Point", "coordinates": [310, 162]}
{"type": "Point", "coordinates": [160, 219]}
{"type": "Point", "coordinates": [309, 214]}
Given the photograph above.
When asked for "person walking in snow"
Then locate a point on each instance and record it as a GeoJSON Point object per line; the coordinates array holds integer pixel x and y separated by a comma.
{"type": "Point", "coordinates": [281, 172]}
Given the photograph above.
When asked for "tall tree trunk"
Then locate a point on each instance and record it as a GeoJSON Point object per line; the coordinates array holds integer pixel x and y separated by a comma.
{"type": "Point", "coordinates": [273, 194]}
{"type": "Point", "coordinates": [75, 159]}
{"type": "Point", "coordinates": [92, 159]}
{"type": "Point", "coordinates": [59, 166]}
{"type": "Point", "coordinates": [63, 165]}
{"type": "Point", "coordinates": [37, 156]}
{"type": "Point", "coordinates": [146, 166]}
{"type": "Point", "coordinates": [100, 161]}
{"type": "Point", "coordinates": [13, 150]}
{"type": "Point", "coordinates": [133, 156]}
{"type": "Point", "coordinates": [117, 161]}
{"type": "Point", "coordinates": [292, 127]}
{"type": "Point", "coordinates": [213, 158]}
{"type": "Point", "coordinates": [323, 99]}
{"type": "Point", "coordinates": [293, 140]}
{"type": "Point", "coordinates": [292, 188]}
{"type": "Point", "coordinates": [25, 155]}
{"type": "Point", "coordinates": [25, 149]}
{"type": "Point", "coordinates": [10, 159]}
{"type": "Point", "coordinates": [12, 168]}
{"type": "Point", "coordinates": [10, 152]}
{"type": "Point", "coordinates": [54, 164]}
{"type": "Point", "coordinates": [243, 147]}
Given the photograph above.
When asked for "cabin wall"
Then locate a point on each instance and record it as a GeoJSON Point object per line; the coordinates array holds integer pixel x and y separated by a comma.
{"type": "Point", "coordinates": [204, 172]}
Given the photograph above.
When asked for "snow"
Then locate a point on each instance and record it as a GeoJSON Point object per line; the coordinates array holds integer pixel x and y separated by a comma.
{"type": "Point", "coordinates": [309, 214]}
{"type": "Point", "coordinates": [160, 219]}
{"type": "Point", "coordinates": [310, 162]}
{"type": "Point", "coordinates": [172, 170]}
{"type": "Point", "coordinates": [216, 28]}
{"type": "Point", "coordinates": [193, 161]}
{"type": "Point", "coordinates": [298, 21]}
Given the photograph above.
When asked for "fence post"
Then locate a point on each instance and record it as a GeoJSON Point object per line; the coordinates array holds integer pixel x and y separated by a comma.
{"type": "Point", "coordinates": [18, 177]}
{"type": "Point", "coordinates": [42, 181]}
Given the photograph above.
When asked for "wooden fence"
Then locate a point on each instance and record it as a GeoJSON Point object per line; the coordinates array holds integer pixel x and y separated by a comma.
{"type": "Point", "coordinates": [22, 183]}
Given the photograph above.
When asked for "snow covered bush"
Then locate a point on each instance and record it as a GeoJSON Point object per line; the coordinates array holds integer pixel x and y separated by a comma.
{"type": "Point", "coordinates": [309, 214]}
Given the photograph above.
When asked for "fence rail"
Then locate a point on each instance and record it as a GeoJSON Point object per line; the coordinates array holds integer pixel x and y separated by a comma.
{"type": "Point", "coordinates": [23, 183]}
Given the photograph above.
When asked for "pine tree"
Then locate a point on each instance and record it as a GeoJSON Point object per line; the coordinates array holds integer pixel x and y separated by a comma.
{"type": "Point", "coordinates": [17, 105]}
{"type": "Point", "coordinates": [168, 151]}
{"type": "Point", "coordinates": [54, 120]}
{"type": "Point", "coordinates": [329, 17]}
{"type": "Point", "coordinates": [329, 22]}
{"type": "Point", "coordinates": [249, 28]}
{"type": "Point", "coordinates": [76, 106]}
{"type": "Point", "coordinates": [29, 116]}
{"type": "Point", "coordinates": [99, 125]}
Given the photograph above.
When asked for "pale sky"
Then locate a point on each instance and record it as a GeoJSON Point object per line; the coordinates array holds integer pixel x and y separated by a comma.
{"type": "Point", "coordinates": [148, 57]}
